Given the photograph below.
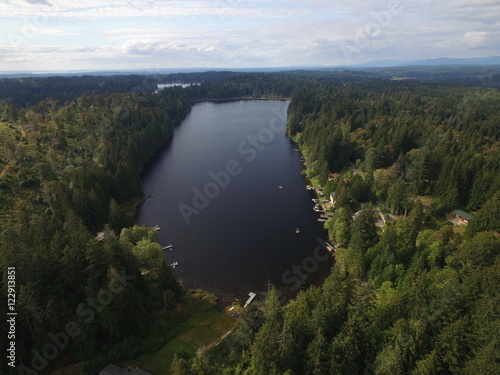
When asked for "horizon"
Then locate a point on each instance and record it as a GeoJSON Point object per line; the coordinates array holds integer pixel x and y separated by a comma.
{"type": "Point", "coordinates": [443, 62]}
{"type": "Point", "coordinates": [51, 35]}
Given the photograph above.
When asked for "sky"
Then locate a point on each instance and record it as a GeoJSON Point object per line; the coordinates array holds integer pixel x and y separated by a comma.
{"type": "Point", "coordinates": [41, 35]}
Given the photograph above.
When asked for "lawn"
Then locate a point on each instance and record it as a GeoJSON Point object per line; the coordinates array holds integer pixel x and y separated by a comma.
{"type": "Point", "coordinates": [201, 330]}
{"type": "Point", "coordinates": [209, 330]}
{"type": "Point", "coordinates": [158, 363]}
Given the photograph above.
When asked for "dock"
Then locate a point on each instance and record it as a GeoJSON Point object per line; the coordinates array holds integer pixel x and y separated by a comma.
{"type": "Point", "coordinates": [250, 299]}
{"type": "Point", "coordinates": [329, 247]}
{"type": "Point", "coordinates": [317, 208]}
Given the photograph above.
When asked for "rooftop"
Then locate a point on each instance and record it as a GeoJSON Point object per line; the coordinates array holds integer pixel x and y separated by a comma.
{"type": "Point", "coordinates": [462, 214]}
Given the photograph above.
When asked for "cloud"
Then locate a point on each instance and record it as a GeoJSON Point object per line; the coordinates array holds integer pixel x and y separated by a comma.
{"type": "Point", "coordinates": [98, 9]}
{"type": "Point", "coordinates": [43, 2]}
{"type": "Point", "coordinates": [139, 47]}
{"type": "Point", "coordinates": [481, 3]}
{"type": "Point", "coordinates": [476, 39]}
{"type": "Point", "coordinates": [53, 31]}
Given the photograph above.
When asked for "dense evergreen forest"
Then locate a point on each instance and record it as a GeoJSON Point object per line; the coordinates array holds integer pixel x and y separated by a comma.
{"type": "Point", "coordinates": [414, 295]}
{"type": "Point", "coordinates": [70, 171]}
{"type": "Point", "coordinates": [417, 296]}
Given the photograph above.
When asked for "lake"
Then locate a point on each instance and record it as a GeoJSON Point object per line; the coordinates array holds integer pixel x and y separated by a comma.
{"type": "Point", "coordinates": [228, 194]}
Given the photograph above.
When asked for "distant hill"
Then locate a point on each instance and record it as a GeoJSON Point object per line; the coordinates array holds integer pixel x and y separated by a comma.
{"type": "Point", "coordinates": [470, 66]}
{"type": "Point", "coordinates": [442, 61]}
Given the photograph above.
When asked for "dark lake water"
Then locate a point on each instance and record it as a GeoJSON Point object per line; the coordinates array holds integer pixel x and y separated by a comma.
{"type": "Point", "coordinates": [228, 193]}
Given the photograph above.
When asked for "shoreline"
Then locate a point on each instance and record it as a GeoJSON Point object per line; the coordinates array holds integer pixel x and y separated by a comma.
{"type": "Point", "coordinates": [237, 99]}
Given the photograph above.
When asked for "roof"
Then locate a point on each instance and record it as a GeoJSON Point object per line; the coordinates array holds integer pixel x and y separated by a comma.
{"type": "Point", "coordinates": [462, 214]}
{"type": "Point", "coordinates": [252, 296]}
{"type": "Point", "coordinates": [112, 369]}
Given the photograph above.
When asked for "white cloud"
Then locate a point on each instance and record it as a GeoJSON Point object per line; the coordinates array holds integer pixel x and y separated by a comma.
{"type": "Point", "coordinates": [95, 9]}
{"type": "Point", "coordinates": [53, 31]}
{"type": "Point", "coordinates": [476, 39]}
{"type": "Point", "coordinates": [139, 47]}
{"type": "Point", "coordinates": [481, 3]}
{"type": "Point", "coordinates": [43, 2]}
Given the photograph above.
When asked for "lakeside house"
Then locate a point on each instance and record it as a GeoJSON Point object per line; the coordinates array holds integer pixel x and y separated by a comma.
{"type": "Point", "coordinates": [462, 215]}
{"type": "Point", "coordinates": [250, 299]}
{"type": "Point", "coordinates": [332, 198]}
{"type": "Point", "coordinates": [112, 369]}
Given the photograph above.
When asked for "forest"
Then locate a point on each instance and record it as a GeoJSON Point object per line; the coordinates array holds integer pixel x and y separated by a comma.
{"type": "Point", "coordinates": [417, 295]}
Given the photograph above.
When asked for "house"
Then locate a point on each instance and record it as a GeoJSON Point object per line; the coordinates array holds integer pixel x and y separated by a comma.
{"type": "Point", "coordinates": [103, 236]}
{"type": "Point", "coordinates": [250, 299]}
{"type": "Point", "coordinates": [332, 198]}
{"type": "Point", "coordinates": [112, 369]}
{"type": "Point", "coordinates": [462, 215]}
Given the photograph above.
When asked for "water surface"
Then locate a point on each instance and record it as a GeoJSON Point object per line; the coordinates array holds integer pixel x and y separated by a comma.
{"type": "Point", "coordinates": [246, 235]}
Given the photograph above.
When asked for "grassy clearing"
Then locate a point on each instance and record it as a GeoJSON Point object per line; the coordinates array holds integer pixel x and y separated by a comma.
{"type": "Point", "coordinates": [200, 327]}
{"type": "Point", "coordinates": [209, 329]}
{"type": "Point", "coordinates": [158, 363]}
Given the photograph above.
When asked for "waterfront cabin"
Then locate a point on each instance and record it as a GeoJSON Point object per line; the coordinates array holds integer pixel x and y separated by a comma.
{"type": "Point", "coordinates": [462, 215]}
{"type": "Point", "coordinates": [332, 198]}
{"type": "Point", "coordinates": [250, 299]}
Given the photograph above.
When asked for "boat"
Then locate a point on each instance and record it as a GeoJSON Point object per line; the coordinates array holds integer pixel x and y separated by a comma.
{"type": "Point", "coordinates": [168, 247]}
{"type": "Point", "coordinates": [329, 247]}
{"type": "Point", "coordinates": [317, 208]}
{"type": "Point", "coordinates": [297, 230]}
{"type": "Point", "coordinates": [281, 187]}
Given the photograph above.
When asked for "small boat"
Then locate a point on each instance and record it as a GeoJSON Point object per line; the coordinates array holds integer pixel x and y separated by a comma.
{"type": "Point", "coordinates": [297, 230]}
{"type": "Point", "coordinates": [281, 187]}
{"type": "Point", "coordinates": [168, 247]}
{"type": "Point", "coordinates": [156, 228]}
{"type": "Point", "coordinates": [317, 208]}
{"type": "Point", "coordinates": [329, 247]}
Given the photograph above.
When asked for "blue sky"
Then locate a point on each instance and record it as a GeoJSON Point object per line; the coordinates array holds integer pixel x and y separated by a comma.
{"type": "Point", "coordinates": [41, 35]}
